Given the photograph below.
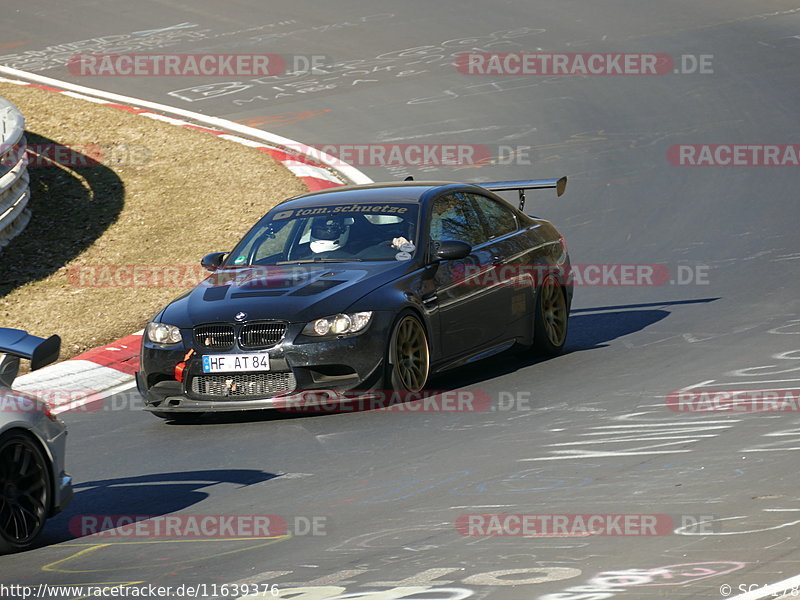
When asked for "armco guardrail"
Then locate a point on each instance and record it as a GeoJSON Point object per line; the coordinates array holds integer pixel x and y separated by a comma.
{"type": "Point", "coordinates": [14, 179]}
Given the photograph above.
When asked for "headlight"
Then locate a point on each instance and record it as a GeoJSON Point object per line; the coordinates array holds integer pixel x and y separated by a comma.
{"type": "Point", "coordinates": [161, 333]}
{"type": "Point", "coordinates": [341, 324]}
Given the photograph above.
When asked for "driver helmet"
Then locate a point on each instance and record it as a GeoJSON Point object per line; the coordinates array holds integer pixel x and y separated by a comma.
{"type": "Point", "coordinates": [329, 233]}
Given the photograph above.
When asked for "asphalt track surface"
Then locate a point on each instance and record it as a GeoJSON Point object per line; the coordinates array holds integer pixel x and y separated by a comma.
{"type": "Point", "coordinates": [588, 432]}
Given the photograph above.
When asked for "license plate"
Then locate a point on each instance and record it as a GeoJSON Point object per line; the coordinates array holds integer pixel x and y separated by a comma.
{"type": "Point", "coordinates": [235, 363]}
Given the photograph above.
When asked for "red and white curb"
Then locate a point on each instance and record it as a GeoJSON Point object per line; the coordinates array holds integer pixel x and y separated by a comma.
{"type": "Point", "coordinates": [103, 371]}
{"type": "Point", "coordinates": [87, 378]}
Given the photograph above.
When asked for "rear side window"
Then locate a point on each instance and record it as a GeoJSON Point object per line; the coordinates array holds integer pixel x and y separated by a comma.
{"type": "Point", "coordinates": [453, 218]}
{"type": "Point", "coordinates": [499, 218]}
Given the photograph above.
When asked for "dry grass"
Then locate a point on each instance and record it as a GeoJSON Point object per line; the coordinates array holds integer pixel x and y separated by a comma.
{"type": "Point", "coordinates": [173, 196]}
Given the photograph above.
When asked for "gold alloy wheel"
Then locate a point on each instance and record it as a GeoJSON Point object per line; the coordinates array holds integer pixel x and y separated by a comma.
{"type": "Point", "coordinates": [554, 311]}
{"type": "Point", "coordinates": [410, 354]}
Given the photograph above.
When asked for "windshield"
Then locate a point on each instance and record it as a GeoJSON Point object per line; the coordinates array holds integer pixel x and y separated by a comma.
{"type": "Point", "coordinates": [335, 233]}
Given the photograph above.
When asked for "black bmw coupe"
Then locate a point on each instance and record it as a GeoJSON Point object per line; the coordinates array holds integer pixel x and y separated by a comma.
{"type": "Point", "coordinates": [370, 287]}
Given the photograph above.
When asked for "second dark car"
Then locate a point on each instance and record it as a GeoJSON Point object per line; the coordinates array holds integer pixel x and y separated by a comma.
{"type": "Point", "coordinates": [360, 288]}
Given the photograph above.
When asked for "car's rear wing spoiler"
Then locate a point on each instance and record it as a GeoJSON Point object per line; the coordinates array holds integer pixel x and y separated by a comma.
{"type": "Point", "coordinates": [526, 184]}
{"type": "Point", "coordinates": [39, 351]}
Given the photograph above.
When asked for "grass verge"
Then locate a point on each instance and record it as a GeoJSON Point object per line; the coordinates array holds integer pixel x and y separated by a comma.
{"type": "Point", "coordinates": [131, 191]}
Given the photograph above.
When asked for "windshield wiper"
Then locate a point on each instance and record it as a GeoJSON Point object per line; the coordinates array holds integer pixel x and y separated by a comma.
{"type": "Point", "coordinates": [318, 260]}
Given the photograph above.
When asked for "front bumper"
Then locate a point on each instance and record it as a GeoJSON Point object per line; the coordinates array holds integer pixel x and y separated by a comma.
{"type": "Point", "coordinates": [297, 363]}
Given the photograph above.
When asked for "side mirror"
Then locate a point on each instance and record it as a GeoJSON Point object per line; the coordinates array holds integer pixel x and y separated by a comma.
{"type": "Point", "coordinates": [211, 262]}
{"type": "Point", "coordinates": [451, 250]}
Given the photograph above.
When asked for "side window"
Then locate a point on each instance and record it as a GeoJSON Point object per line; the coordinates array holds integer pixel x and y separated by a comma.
{"type": "Point", "coordinates": [454, 219]}
{"type": "Point", "coordinates": [499, 219]}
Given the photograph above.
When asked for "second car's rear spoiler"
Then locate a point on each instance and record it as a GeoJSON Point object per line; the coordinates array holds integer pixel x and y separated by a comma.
{"type": "Point", "coordinates": [39, 351]}
{"type": "Point", "coordinates": [526, 184]}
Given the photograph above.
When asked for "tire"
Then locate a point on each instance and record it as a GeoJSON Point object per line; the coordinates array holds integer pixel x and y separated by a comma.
{"type": "Point", "coordinates": [408, 359]}
{"type": "Point", "coordinates": [177, 417]}
{"type": "Point", "coordinates": [551, 317]}
{"type": "Point", "coordinates": [25, 491]}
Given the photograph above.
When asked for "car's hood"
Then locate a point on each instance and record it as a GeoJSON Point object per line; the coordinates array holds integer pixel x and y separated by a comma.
{"type": "Point", "coordinates": [294, 293]}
